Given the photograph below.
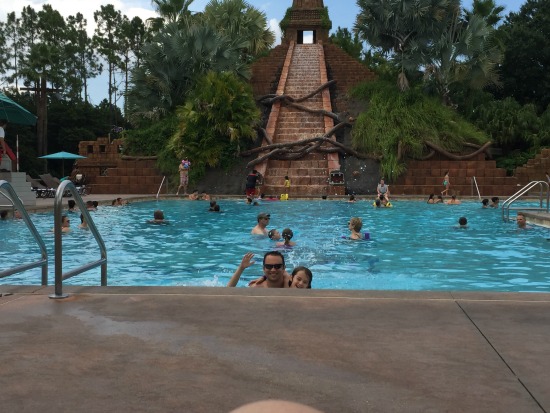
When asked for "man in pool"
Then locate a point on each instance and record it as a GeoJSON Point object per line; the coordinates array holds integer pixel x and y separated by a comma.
{"type": "Point", "coordinates": [260, 228]}
{"type": "Point", "coordinates": [275, 275]}
{"type": "Point", "coordinates": [521, 221]}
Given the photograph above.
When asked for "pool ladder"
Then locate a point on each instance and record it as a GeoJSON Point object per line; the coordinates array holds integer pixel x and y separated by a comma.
{"type": "Point", "coordinates": [58, 242]}
{"type": "Point", "coordinates": [543, 186]}
{"type": "Point", "coordinates": [15, 203]}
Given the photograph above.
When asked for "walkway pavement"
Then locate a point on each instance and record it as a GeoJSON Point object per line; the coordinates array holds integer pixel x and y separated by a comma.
{"type": "Point", "coordinates": [155, 349]}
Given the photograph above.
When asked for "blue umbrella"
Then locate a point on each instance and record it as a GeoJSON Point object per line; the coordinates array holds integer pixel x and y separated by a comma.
{"type": "Point", "coordinates": [62, 155]}
{"type": "Point", "coordinates": [14, 113]}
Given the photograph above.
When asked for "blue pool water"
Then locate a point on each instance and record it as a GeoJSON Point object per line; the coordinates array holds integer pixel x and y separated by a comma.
{"type": "Point", "coordinates": [414, 246]}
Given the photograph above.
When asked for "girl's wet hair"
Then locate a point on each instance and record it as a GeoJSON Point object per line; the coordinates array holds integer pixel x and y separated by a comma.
{"type": "Point", "coordinates": [287, 234]}
{"type": "Point", "coordinates": [357, 223]}
{"type": "Point", "coordinates": [271, 233]}
{"type": "Point", "coordinates": [308, 272]}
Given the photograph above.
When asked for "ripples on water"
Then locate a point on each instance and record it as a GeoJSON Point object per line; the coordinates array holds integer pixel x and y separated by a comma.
{"type": "Point", "coordinates": [414, 246]}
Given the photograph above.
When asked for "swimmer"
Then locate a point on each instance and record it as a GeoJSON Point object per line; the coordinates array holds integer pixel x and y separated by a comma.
{"type": "Point", "coordinates": [260, 228]}
{"type": "Point", "coordinates": [158, 218]}
{"type": "Point", "coordinates": [71, 205]}
{"type": "Point", "coordinates": [275, 275]}
{"type": "Point", "coordinates": [382, 201]}
{"type": "Point", "coordinates": [83, 223]}
{"type": "Point", "coordinates": [485, 203]}
{"type": "Point", "coordinates": [301, 277]}
{"type": "Point", "coordinates": [351, 198]}
{"type": "Point", "coordinates": [274, 235]}
{"type": "Point", "coordinates": [522, 222]}
{"type": "Point", "coordinates": [354, 225]}
{"type": "Point", "coordinates": [453, 201]}
{"type": "Point", "coordinates": [431, 199]}
{"type": "Point", "coordinates": [287, 236]}
{"type": "Point", "coordinates": [462, 223]}
{"type": "Point", "coordinates": [439, 200]}
{"type": "Point", "coordinates": [194, 196]}
{"type": "Point", "coordinates": [494, 202]}
{"type": "Point", "coordinates": [65, 224]}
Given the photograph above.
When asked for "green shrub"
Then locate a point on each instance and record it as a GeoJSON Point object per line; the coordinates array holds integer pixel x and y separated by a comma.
{"type": "Point", "coordinates": [219, 117]}
{"type": "Point", "coordinates": [406, 120]}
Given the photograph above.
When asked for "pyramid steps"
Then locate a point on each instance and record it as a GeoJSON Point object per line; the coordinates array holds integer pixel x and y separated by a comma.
{"type": "Point", "coordinates": [304, 72]}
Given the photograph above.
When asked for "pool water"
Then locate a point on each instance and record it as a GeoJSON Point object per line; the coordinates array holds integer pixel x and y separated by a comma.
{"type": "Point", "coordinates": [413, 246]}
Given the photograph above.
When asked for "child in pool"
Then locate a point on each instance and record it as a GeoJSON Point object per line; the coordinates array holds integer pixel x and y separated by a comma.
{"type": "Point", "coordinates": [354, 225]}
{"type": "Point", "coordinates": [287, 236]}
{"type": "Point", "coordinates": [301, 277]}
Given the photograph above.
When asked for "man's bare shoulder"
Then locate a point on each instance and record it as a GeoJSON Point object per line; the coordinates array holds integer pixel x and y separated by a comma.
{"type": "Point", "coordinates": [258, 231]}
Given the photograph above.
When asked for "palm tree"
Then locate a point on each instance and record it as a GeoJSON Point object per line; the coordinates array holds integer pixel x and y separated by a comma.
{"type": "Point", "coordinates": [402, 29]}
{"type": "Point", "coordinates": [464, 53]}
{"type": "Point", "coordinates": [241, 22]}
{"type": "Point", "coordinates": [488, 10]}
{"type": "Point", "coordinates": [172, 63]}
{"type": "Point", "coordinates": [432, 35]}
{"type": "Point", "coordinates": [169, 11]}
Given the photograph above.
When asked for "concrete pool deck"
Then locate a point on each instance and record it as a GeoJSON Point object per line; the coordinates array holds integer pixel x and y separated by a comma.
{"type": "Point", "coordinates": [180, 349]}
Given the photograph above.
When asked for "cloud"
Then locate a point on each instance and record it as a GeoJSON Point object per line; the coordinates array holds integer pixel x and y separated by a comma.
{"type": "Point", "coordinates": [130, 8]}
{"type": "Point", "coordinates": [274, 27]}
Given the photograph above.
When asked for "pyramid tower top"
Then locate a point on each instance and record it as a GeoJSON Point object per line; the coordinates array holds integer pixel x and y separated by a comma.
{"type": "Point", "coordinates": [307, 4]}
{"type": "Point", "coordinates": [306, 16]}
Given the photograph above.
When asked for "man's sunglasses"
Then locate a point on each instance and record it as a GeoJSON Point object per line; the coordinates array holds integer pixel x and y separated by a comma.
{"type": "Point", "coordinates": [271, 266]}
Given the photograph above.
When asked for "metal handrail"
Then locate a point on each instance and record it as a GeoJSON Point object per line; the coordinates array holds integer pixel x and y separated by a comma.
{"type": "Point", "coordinates": [506, 205]}
{"type": "Point", "coordinates": [58, 253]}
{"type": "Point", "coordinates": [474, 181]}
{"type": "Point", "coordinates": [43, 262]}
{"type": "Point", "coordinates": [160, 187]}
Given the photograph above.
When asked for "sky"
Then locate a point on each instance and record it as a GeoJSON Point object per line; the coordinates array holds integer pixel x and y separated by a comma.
{"type": "Point", "coordinates": [341, 12]}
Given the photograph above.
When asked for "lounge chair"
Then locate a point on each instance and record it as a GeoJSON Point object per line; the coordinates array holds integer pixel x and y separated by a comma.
{"type": "Point", "coordinates": [39, 188]}
{"type": "Point", "coordinates": [52, 183]}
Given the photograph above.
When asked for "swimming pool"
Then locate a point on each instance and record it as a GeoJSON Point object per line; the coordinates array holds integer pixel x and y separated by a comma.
{"type": "Point", "coordinates": [414, 246]}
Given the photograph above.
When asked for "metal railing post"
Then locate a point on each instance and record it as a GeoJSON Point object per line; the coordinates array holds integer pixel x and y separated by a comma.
{"type": "Point", "coordinates": [58, 209]}
{"type": "Point", "coordinates": [160, 187]}
{"type": "Point", "coordinates": [508, 202]}
{"type": "Point", "coordinates": [43, 262]}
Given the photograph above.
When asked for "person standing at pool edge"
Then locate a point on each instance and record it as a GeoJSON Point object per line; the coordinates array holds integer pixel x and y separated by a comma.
{"type": "Point", "coordinates": [3, 124]}
{"type": "Point", "coordinates": [287, 187]}
{"type": "Point", "coordinates": [250, 188]}
{"type": "Point", "coordinates": [383, 189]}
{"type": "Point", "coordinates": [184, 176]}
{"type": "Point", "coordinates": [446, 184]}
